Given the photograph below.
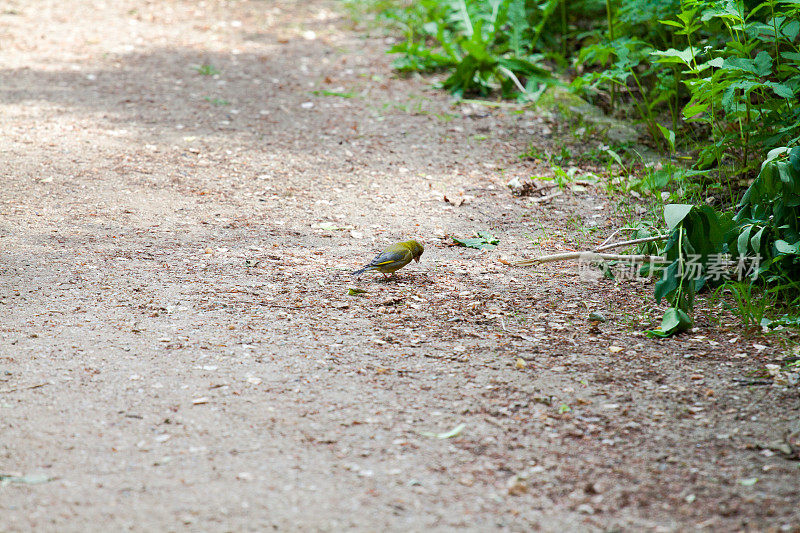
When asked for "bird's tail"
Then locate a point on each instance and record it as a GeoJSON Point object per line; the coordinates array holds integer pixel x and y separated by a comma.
{"type": "Point", "coordinates": [359, 271]}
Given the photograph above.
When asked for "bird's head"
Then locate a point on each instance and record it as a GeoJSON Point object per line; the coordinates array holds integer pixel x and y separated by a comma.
{"type": "Point", "coordinates": [416, 250]}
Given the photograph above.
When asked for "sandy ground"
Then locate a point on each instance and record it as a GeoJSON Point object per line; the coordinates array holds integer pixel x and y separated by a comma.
{"type": "Point", "coordinates": [179, 351]}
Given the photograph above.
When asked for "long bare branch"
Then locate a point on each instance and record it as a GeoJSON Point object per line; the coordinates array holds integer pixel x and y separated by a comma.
{"type": "Point", "coordinates": [587, 255]}
{"type": "Point", "coordinates": [614, 233]}
{"type": "Point", "coordinates": [629, 243]}
{"type": "Point", "coordinates": [594, 254]}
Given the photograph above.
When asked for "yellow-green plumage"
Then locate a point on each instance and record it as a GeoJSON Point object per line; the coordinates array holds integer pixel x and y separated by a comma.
{"type": "Point", "coordinates": [394, 258]}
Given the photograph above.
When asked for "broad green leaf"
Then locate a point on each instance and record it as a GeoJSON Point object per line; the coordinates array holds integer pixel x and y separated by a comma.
{"type": "Point", "coordinates": [763, 63]}
{"type": "Point", "coordinates": [791, 30]}
{"type": "Point", "coordinates": [675, 321]}
{"type": "Point", "coordinates": [724, 10]}
{"type": "Point", "coordinates": [743, 240]}
{"type": "Point", "coordinates": [774, 154]}
{"type": "Point", "coordinates": [692, 110]}
{"type": "Point", "coordinates": [669, 135]}
{"type": "Point", "coordinates": [671, 23]}
{"type": "Point", "coordinates": [482, 241]}
{"type": "Point", "coordinates": [755, 241]}
{"type": "Point", "coordinates": [352, 291]}
{"type": "Point", "coordinates": [740, 63]}
{"type": "Point", "coordinates": [794, 158]}
{"type": "Point", "coordinates": [673, 56]}
{"type": "Point", "coordinates": [717, 62]}
{"type": "Point", "coordinates": [792, 56]}
{"type": "Point", "coordinates": [784, 247]}
{"type": "Point", "coordinates": [781, 89]}
{"type": "Point", "coordinates": [675, 213]}
{"type": "Point", "coordinates": [668, 283]}
{"type": "Point", "coordinates": [785, 172]}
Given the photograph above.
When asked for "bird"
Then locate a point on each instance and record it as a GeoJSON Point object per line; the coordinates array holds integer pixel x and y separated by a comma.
{"type": "Point", "coordinates": [393, 258]}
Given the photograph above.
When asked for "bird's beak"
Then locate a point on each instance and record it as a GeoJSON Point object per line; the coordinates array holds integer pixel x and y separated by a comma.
{"type": "Point", "coordinates": [416, 259]}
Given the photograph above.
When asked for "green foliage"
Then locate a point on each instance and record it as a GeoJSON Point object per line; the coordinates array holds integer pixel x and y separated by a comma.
{"type": "Point", "coordinates": [761, 244]}
{"type": "Point", "coordinates": [680, 181]}
{"type": "Point", "coordinates": [769, 218]}
{"type": "Point", "coordinates": [207, 70]}
{"type": "Point", "coordinates": [675, 321]}
{"type": "Point", "coordinates": [751, 302]}
{"type": "Point", "coordinates": [697, 235]}
{"type": "Point", "coordinates": [731, 67]}
{"type": "Point", "coordinates": [718, 77]}
{"type": "Point", "coordinates": [483, 240]}
{"type": "Point", "coordinates": [216, 101]}
{"type": "Point", "coordinates": [483, 45]}
{"type": "Point", "coordinates": [717, 80]}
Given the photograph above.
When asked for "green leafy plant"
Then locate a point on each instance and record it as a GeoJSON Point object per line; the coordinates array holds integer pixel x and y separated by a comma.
{"type": "Point", "coordinates": [730, 67]}
{"type": "Point", "coordinates": [482, 240]}
{"type": "Point", "coordinates": [562, 177]}
{"type": "Point", "coordinates": [769, 219]}
{"type": "Point", "coordinates": [751, 303]}
{"type": "Point", "coordinates": [720, 79]}
{"type": "Point", "coordinates": [759, 246]}
{"type": "Point", "coordinates": [483, 46]}
{"type": "Point", "coordinates": [340, 94]}
{"type": "Point", "coordinates": [207, 70]}
{"type": "Point", "coordinates": [216, 101]}
{"type": "Point", "coordinates": [670, 177]}
{"type": "Point", "coordinates": [696, 234]}
{"type": "Point", "coordinates": [674, 321]}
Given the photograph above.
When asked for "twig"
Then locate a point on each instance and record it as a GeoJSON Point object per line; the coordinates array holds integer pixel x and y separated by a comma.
{"type": "Point", "coordinates": [545, 186]}
{"type": "Point", "coordinates": [749, 382]}
{"type": "Point", "coordinates": [591, 256]}
{"type": "Point", "coordinates": [615, 232]}
{"type": "Point", "coordinates": [629, 243]}
{"type": "Point", "coordinates": [25, 388]}
{"type": "Point", "coordinates": [546, 198]}
{"type": "Point", "coordinates": [488, 103]}
{"type": "Point", "coordinates": [516, 81]}
{"type": "Point", "coordinates": [294, 308]}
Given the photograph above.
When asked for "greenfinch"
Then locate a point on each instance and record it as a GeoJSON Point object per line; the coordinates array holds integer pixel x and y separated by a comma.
{"type": "Point", "coordinates": [394, 258]}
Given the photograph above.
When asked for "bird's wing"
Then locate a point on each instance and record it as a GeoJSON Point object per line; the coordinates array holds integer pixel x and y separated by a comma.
{"type": "Point", "coordinates": [387, 258]}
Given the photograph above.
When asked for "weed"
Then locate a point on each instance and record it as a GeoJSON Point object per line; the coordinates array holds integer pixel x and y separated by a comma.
{"type": "Point", "coordinates": [446, 117]}
{"type": "Point", "coordinates": [533, 153]}
{"type": "Point", "coordinates": [207, 70]}
{"type": "Point", "coordinates": [216, 101]}
{"type": "Point", "coordinates": [751, 303]}
{"type": "Point", "coordinates": [334, 93]}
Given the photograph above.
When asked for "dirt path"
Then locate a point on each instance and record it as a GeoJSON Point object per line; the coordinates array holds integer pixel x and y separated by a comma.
{"type": "Point", "coordinates": [178, 349]}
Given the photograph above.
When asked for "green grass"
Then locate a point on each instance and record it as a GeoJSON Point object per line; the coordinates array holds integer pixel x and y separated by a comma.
{"type": "Point", "coordinates": [216, 101]}
{"type": "Point", "coordinates": [207, 70]}
{"type": "Point", "coordinates": [334, 93]}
